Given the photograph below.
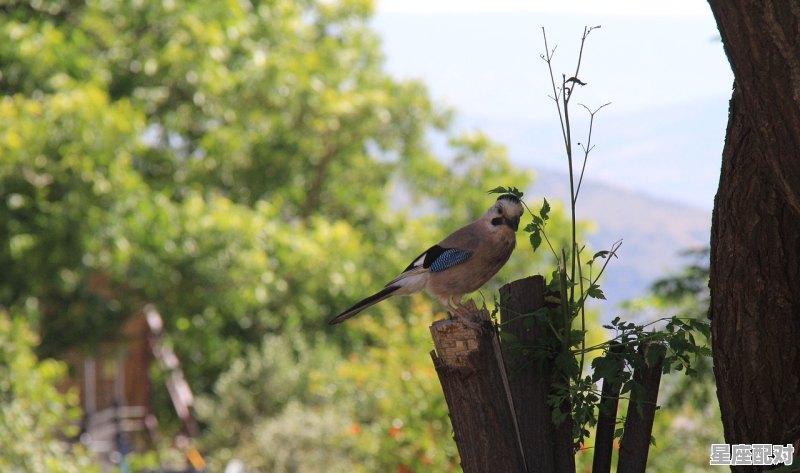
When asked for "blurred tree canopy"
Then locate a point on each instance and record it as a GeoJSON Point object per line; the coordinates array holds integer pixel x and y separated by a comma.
{"type": "Point", "coordinates": [239, 164]}
{"type": "Point", "coordinates": [233, 162]}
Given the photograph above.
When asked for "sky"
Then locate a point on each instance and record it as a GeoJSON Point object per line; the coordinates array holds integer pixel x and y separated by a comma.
{"type": "Point", "coordinates": [661, 65]}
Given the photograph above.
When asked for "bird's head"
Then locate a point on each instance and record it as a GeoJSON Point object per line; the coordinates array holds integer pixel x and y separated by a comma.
{"type": "Point", "coordinates": [506, 211]}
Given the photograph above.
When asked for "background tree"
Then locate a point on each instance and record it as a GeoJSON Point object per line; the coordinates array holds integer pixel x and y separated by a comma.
{"type": "Point", "coordinates": [755, 242]}
{"type": "Point", "coordinates": [239, 164]}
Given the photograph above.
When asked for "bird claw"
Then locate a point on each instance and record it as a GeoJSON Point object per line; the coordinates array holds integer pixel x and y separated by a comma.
{"type": "Point", "coordinates": [467, 320]}
{"type": "Point", "coordinates": [464, 313]}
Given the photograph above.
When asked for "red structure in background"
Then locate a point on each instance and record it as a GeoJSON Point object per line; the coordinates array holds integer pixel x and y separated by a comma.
{"type": "Point", "coordinates": [116, 392]}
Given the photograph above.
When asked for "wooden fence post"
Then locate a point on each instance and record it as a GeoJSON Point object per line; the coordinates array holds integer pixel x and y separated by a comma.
{"type": "Point", "coordinates": [607, 415]}
{"type": "Point", "coordinates": [635, 443]}
{"type": "Point", "coordinates": [466, 361]}
{"type": "Point", "coordinates": [546, 448]}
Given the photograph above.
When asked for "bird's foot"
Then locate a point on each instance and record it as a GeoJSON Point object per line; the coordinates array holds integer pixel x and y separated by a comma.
{"type": "Point", "coordinates": [466, 314]}
{"type": "Point", "coordinates": [467, 320]}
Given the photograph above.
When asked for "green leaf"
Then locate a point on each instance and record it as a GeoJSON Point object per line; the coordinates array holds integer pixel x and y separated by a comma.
{"type": "Point", "coordinates": [606, 368]}
{"type": "Point", "coordinates": [567, 364]}
{"type": "Point", "coordinates": [595, 292]}
{"type": "Point", "coordinates": [545, 210]}
{"type": "Point", "coordinates": [654, 354]}
{"type": "Point", "coordinates": [507, 190]}
{"type": "Point", "coordinates": [536, 240]}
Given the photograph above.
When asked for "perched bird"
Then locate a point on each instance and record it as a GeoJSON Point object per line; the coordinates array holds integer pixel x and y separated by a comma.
{"type": "Point", "coordinates": [459, 264]}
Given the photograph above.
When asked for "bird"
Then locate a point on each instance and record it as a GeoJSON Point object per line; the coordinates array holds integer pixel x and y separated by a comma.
{"type": "Point", "coordinates": [459, 264]}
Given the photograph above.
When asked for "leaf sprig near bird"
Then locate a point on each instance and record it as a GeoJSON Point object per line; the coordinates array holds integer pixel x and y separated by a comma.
{"type": "Point", "coordinates": [459, 264]}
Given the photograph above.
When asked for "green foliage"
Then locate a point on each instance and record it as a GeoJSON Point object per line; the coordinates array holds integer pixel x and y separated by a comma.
{"type": "Point", "coordinates": [57, 191]}
{"type": "Point", "coordinates": [380, 409]}
{"type": "Point", "coordinates": [267, 398]}
{"type": "Point", "coordinates": [297, 440]}
{"type": "Point", "coordinates": [34, 416]}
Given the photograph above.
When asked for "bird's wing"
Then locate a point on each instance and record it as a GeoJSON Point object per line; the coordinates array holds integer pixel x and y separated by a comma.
{"type": "Point", "coordinates": [438, 258]}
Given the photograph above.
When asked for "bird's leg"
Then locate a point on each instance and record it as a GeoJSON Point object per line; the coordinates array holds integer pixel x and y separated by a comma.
{"type": "Point", "coordinates": [463, 313]}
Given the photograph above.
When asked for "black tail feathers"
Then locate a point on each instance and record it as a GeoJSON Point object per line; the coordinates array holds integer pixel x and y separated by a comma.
{"type": "Point", "coordinates": [369, 301]}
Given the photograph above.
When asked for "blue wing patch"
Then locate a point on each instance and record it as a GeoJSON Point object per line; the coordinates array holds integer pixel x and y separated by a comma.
{"type": "Point", "coordinates": [449, 258]}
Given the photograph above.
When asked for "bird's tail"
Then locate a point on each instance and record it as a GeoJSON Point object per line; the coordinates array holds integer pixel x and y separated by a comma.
{"type": "Point", "coordinates": [369, 301]}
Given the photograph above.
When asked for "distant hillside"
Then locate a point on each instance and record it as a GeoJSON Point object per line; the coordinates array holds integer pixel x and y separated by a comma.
{"type": "Point", "coordinates": [654, 232]}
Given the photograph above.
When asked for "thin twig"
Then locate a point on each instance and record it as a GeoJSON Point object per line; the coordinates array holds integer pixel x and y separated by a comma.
{"type": "Point", "coordinates": [588, 148]}
{"type": "Point", "coordinates": [548, 58]}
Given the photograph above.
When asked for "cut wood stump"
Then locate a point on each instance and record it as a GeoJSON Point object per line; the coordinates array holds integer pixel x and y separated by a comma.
{"type": "Point", "coordinates": [469, 365]}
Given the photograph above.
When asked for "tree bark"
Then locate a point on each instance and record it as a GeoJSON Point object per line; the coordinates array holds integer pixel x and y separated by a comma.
{"type": "Point", "coordinates": [755, 240]}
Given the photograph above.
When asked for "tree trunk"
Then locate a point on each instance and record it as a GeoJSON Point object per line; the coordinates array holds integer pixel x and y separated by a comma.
{"type": "Point", "coordinates": [755, 240]}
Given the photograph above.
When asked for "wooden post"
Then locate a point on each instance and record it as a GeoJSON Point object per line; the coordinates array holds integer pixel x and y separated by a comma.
{"type": "Point", "coordinates": [466, 361]}
{"type": "Point", "coordinates": [635, 443]}
{"type": "Point", "coordinates": [546, 448]}
{"type": "Point", "coordinates": [607, 416]}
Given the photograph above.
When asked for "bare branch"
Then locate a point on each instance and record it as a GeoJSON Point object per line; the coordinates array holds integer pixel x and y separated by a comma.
{"type": "Point", "coordinates": [589, 146]}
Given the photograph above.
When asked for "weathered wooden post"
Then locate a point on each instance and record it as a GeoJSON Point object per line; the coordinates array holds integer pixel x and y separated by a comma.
{"type": "Point", "coordinates": [546, 448]}
{"type": "Point", "coordinates": [635, 443]}
{"type": "Point", "coordinates": [466, 361]}
{"type": "Point", "coordinates": [607, 415]}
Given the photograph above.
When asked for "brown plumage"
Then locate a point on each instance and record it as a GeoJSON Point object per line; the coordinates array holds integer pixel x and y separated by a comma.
{"type": "Point", "coordinates": [461, 263]}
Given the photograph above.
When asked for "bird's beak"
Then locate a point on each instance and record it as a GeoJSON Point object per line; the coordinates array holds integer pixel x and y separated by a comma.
{"type": "Point", "coordinates": [513, 223]}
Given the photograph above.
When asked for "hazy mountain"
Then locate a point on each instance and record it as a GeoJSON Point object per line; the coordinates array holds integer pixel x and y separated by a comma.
{"type": "Point", "coordinates": [654, 232]}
